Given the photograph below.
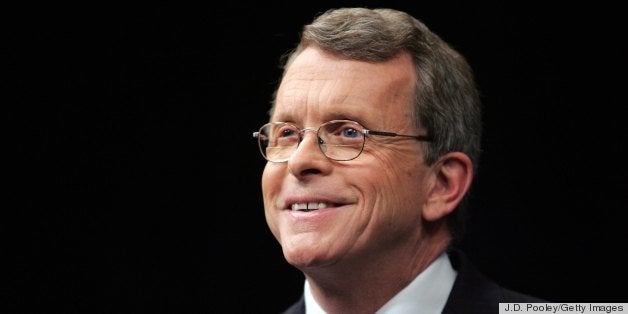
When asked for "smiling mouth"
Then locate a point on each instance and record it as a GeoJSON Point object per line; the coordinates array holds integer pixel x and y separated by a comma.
{"type": "Point", "coordinates": [308, 207]}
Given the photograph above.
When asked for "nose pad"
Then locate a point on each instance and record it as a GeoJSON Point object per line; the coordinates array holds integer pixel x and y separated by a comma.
{"type": "Point", "coordinates": [302, 138]}
{"type": "Point", "coordinates": [302, 135]}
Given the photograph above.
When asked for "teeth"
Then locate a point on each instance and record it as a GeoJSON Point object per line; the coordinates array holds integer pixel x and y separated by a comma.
{"type": "Point", "coordinates": [308, 206]}
{"type": "Point", "coordinates": [299, 206]}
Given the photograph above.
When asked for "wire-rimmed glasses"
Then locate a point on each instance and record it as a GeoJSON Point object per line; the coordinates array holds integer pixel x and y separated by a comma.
{"type": "Point", "coordinates": [339, 140]}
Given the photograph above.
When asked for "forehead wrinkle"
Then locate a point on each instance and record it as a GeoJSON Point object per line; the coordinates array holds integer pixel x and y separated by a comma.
{"type": "Point", "coordinates": [295, 99]}
{"type": "Point", "coordinates": [312, 87]}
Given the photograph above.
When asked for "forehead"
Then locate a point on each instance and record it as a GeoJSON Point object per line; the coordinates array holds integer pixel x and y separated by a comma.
{"type": "Point", "coordinates": [318, 85]}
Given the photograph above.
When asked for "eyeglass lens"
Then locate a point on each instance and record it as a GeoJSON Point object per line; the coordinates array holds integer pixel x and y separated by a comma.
{"type": "Point", "coordinates": [337, 139]}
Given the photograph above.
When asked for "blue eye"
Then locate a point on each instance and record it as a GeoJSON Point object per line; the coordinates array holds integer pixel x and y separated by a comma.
{"type": "Point", "coordinates": [351, 132]}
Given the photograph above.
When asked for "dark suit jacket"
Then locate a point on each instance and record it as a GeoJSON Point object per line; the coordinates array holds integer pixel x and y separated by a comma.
{"type": "Point", "coordinates": [472, 292]}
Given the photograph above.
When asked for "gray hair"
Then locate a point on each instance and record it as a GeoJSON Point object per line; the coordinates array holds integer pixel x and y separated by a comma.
{"type": "Point", "coordinates": [446, 102]}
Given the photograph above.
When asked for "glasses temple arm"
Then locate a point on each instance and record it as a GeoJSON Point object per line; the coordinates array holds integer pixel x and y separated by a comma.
{"type": "Point", "coordinates": [392, 134]}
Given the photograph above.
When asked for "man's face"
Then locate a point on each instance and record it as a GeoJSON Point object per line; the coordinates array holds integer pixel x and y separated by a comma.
{"type": "Point", "coordinates": [370, 205]}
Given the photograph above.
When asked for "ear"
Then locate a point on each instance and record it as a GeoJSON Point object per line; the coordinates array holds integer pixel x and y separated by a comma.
{"type": "Point", "coordinates": [451, 178]}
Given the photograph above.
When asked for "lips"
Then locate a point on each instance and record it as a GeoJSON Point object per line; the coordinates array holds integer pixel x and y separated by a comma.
{"type": "Point", "coordinates": [310, 206]}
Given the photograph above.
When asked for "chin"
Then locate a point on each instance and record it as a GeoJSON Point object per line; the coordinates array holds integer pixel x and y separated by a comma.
{"type": "Point", "coordinates": [304, 258]}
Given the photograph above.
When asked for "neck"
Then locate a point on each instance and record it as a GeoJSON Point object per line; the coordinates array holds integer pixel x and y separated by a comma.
{"type": "Point", "coordinates": [365, 284]}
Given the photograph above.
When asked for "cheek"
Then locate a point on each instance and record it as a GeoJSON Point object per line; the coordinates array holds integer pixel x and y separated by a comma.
{"type": "Point", "coordinates": [378, 180]}
{"type": "Point", "coordinates": [392, 171]}
{"type": "Point", "coordinates": [271, 185]}
{"type": "Point", "coordinates": [400, 183]}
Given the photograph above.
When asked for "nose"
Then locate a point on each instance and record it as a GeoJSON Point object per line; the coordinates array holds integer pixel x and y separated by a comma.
{"type": "Point", "coordinates": [308, 157]}
{"type": "Point", "coordinates": [302, 138]}
{"type": "Point", "coordinates": [302, 134]}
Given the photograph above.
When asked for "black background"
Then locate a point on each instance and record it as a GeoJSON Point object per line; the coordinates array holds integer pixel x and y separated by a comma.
{"type": "Point", "coordinates": [134, 182]}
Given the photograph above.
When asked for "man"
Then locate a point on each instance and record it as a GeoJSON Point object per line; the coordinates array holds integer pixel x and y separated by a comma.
{"type": "Point", "coordinates": [372, 147]}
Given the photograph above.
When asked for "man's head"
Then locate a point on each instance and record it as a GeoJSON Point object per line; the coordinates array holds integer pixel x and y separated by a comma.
{"type": "Point", "coordinates": [387, 72]}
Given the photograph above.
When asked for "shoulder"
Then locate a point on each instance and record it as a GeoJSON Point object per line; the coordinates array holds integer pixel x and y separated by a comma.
{"type": "Point", "coordinates": [475, 293]}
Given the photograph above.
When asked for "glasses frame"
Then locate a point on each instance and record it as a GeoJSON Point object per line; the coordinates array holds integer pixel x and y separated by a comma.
{"type": "Point", "coordinates": [364, 131]}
